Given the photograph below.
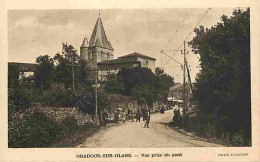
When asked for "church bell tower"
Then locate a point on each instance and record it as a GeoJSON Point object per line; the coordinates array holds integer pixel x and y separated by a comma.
{"type": "Point", "coordinates": [84, 49]}
{"type": "Point", "coordinates": [98, 49]}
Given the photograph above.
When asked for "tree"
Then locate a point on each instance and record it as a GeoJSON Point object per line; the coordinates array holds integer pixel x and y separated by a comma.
{"type": "Point", "coordinates": [86, 102]}
{"type": "Point", "coordinates": [83, 75]}
{"type": "Point", "coordinates": [163, 83]}
{"type": "Point", "coordinates": [138, 76]}
{"type": "Point", "coordinates": [158, 71]}
{"type": "Point", "coordinates": [143, 85]}
{"type": "Point", "coordinates": [140, 83]}
{"type": "Point", "coordinates": [222, 91]}
{"type": "Point", "coordinates": [44, 72]}
{"type": "Point", "coordinates": [112, 84]}
{"type": "Point", "coordinates": [63, 72]}
{"type": "Point", "coordinates": [144, 94]}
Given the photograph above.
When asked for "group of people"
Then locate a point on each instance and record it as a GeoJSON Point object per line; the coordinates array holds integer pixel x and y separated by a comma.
{"type": "Point", "coordinates": [177, 117]}
{"type": "Point", "coordinates": [119, 114]}
{"type": "Point", "coordinates": [146, 113]}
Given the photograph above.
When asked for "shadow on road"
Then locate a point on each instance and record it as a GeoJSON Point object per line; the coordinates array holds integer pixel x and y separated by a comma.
{"type": "Point", "coordinates": [78, 136]}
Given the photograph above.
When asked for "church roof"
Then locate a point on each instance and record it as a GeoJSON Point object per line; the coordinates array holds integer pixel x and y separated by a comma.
{"type": "Point", "coordinates": [136, 54]}
{"type": "Point", "coordinates": [98, 43]}
{"type": "Point", "coordinates": [85, 42]}
{"type": "Point", "coordinates": [99, 37]}
{"type": "Point", "coordinates": [118, 61]}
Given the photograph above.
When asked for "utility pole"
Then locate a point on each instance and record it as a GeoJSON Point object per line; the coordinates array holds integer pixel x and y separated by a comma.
{"type": "Point", "coordinates": [184, 83]}
{"type": "Point", "coordinates": [96, 79]}
{"type": "Point", "coordinates": [184, 67]}
{"type": "Point", "coordinates": [73, 74]}
{"type": "Point", "coordinates": [188, 72]}
{"type": "Point", "coordinates": [72, 68]}
{"type": "Point", "coordinates": [96, 86]}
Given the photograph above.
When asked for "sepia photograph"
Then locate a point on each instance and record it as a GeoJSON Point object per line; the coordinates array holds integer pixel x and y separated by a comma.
{"type": "Point", "coordinates": [130, 84]}
{"type": "Point", "coordinates": [129, 78]}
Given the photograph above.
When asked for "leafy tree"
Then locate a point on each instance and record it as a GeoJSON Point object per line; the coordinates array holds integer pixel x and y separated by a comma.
{"type": "Point", "coordinates": [17, 100]}
{"type": "Point", "coordinates": [44, 72]}
{"type": "Point", "coordinates": [82, 75]}
{"type": "Point", "coordinates": [144, 94]}
{"type": "Point", "coordinates": [140, 83]}
{"type": "Point", "coordinates": [86, 101]}
{"type": "Point", "coordinates": [69, 53]}
{"type": "Point", "coordinates": [222, 93]}
{"type": "Point", "coordinates": [163, 83]}
{"type": "Point", "coordinates": [63, 72]}
{"type": "Point", "coordinates": [112, 84]}
{"type": "Point", "coordinates": [138, 76]}
{"type": "Point", "coordinates": [158, 71]}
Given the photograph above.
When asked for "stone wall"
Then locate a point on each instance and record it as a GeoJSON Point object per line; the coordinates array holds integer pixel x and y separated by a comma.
{"type": "Point", "coordinates": [58, 114]}
{"type": "Point", "coordinates": [121, 101]}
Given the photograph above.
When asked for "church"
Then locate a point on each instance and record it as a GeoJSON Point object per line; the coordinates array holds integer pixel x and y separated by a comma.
{"type": "Point", "coordinates": [99, 55]}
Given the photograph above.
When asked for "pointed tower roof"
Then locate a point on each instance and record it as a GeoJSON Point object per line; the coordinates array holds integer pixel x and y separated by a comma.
{"type": "Point", "coordinates": [99, 37]}
{"type": "Point", "coordinates": [85, 42]}
{"type": "Point", "coordinates": [98, 43]}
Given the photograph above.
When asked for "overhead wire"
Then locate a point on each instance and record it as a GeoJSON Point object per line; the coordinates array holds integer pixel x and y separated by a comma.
{"type": "Point", "coordinates": [188, 34]}
{"type": "Point", "coordinates": [193, 28]}
{"type": "Point", "coordinates": [168, 60]}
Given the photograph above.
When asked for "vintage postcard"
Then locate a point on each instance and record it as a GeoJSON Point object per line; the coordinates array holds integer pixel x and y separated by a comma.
{"type": "Point", "coordinates": [130, 81]}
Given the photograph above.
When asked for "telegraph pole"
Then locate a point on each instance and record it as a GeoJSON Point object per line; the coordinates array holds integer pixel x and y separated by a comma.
{"type": "Point", "coordinates": [188, 72]}
{"type": "Point", "coordinates": [73, 74]}
{"type": "Point", "coordinates": [184, 83]}
{"type": "Point", "coordinates": [184, 66]}
{"type": "Point", "coordinates": [96, 79]}
{"type": "Point", "coordinates": [96, 86]}
{"type": "Point", "coordinates": [72, 68]}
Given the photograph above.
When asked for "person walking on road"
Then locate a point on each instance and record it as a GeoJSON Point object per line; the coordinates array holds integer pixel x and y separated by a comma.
{"type": "Point", "coordinates": [144, 112]}
{"type": "Point", "coordinates": [104, 117]}
{"type": "Point", "coordinates": [138, 115]}
{"type": "Point", "coordinates": [132, 114]}
{"type": "Point", "coordinates": [123, 116]}
{"type": "Point", "coordinates": [148, 116]}
{"type": "Point", "coordinates": [116, 115]}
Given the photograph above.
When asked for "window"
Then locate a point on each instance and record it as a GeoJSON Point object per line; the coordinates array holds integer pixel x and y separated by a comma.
{"type": "Point", "coordinates": [92, 54]}
{"type": "Point", "coordinates": [101, 56]}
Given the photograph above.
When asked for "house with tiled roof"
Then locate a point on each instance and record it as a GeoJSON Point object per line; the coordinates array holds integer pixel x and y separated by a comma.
{"type": "Point", "coordinates": [99, 54]}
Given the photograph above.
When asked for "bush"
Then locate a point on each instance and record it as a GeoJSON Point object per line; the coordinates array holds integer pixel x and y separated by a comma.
{"type": "Point", "coordinates": [238, 139]}
{"type": "Point", "coordinates": [69, 124]}
{"type": "Point", "coordinates": [34, 130]}
{"type": "Point", "coordinates": [59, 98]}
{"type": "Point", "coordinates": [19, 98]}
{"type": "Point", "coordinates": [30, 91]}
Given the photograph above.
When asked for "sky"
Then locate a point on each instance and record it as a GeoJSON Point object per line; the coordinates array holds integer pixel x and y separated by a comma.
{"type": "Point", "coordinates": [32, 33]}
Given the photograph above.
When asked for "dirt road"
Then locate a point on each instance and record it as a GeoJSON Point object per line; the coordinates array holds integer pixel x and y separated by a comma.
{"type": "Point", "coordinates": [133, 134]}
